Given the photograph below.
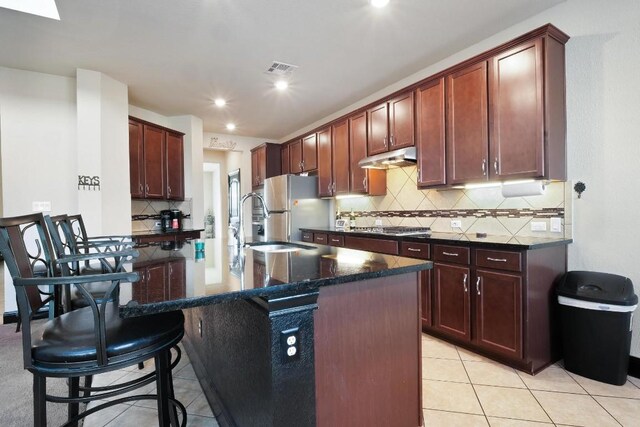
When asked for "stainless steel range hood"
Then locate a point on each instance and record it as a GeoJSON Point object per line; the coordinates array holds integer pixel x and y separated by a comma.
{"type": "Point", "coordinates": [391, 159]}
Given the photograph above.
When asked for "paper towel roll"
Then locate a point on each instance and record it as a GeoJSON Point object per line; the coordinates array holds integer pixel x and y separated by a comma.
{"type": "Point", "coordinates": [532, 188]}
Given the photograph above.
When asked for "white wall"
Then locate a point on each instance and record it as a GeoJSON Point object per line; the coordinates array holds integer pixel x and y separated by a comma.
{"type": "Point", "coordinates": [239, 158]}
{"type": "Point", "coordinates": [603, 93]}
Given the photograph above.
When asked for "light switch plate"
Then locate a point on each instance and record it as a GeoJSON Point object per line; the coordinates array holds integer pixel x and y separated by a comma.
{"type": "Point", "coordinates": [538, 226]}
{"type": "Point", "coordinates": [556, 225]}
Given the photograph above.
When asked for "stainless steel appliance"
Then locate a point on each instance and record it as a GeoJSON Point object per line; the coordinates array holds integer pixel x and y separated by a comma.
{"type": "Point", "coordinates": [293, 203]}
{"type": "Point", "coordinates": [257, 219]}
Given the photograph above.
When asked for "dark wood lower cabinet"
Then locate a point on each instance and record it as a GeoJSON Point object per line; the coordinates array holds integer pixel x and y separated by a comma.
{"type": "Point", "coordinates": [425, 298]}
{"type": "Point", "coordinates": [451, 300]}
{"type": "Point", "coordinates": [160, 280]}
{"type": "Point", "coordinates": [498, 302]}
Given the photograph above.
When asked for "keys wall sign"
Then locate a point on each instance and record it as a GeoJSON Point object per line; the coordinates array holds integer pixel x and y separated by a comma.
{"type": "Point", "coordinates": [86, 182]}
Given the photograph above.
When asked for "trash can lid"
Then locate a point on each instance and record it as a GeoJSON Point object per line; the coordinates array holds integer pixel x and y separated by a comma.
{"type": "Point", "coordinates": [597, 287]}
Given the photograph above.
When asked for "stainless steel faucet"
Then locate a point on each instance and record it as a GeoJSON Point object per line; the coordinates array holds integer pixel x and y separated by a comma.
{"type": "Point", "coordinates": [239, 233]}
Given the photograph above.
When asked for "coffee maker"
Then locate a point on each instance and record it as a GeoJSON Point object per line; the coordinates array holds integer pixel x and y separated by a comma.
{"type": "Point", "coordinates": [171, 220]}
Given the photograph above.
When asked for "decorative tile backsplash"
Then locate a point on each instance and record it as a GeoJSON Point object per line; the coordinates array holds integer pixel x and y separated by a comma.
{"type": "Point", "coordinates": [479, 209]}
{"type": "Point", "coordinates": [152, 209]}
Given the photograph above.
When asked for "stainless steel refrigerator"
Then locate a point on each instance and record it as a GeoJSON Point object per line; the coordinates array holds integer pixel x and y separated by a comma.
{"type": "Point", "coordinates": [294, 204]}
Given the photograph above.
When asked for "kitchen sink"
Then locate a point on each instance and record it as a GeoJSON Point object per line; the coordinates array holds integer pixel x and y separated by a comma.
{"type": "Point", "coordinates": [278, 247]}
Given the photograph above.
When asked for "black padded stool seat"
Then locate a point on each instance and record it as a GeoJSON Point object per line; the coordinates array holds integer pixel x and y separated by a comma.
{"type": "Point", "coordinates": [71, 337]}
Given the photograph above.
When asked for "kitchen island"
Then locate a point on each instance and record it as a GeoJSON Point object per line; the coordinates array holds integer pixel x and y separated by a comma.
{"type": "Point", "coordinates": [317, 336]}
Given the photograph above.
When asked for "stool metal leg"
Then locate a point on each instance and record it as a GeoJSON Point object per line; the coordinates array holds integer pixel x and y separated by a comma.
{"type": "Point", "coordinates": [162, 385]}
{"type": "Point", "coordinates": [39, 401]}
{"type": "Point", "coordinates": [74, 391]}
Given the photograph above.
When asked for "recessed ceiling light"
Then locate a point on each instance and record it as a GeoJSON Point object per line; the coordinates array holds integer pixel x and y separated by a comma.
{"type": "Point", "coordinates": [220, 102]}
{"type": "Point", "coordinates": [281, 84]}
{"type": "Point", "coordinates": [379, 3]}
{"type": "Point", "coordinates": [231, 126]}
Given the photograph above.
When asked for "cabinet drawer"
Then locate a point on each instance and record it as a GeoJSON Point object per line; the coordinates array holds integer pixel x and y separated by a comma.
{"type": "Point", "coordinates": [415, 250]}
{"type": "Point", "coordinates": [320, 238]}
{"type": "Point", "coordinates": [336, 240]}
{"type": "Point", "coordinates": [454, 254]}
{"type": "Point", "coordinates": [372, 245]}
{"type": "Point", "coordinates": [307, 236]}
{"type": "Point", "coordinates": [501, 260]}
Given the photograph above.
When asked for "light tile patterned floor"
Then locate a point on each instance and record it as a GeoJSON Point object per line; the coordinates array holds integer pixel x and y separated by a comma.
{"type": "Point", "coordinates": [460, 388]}
{"type": "Point", "coordinates": [143, 413]}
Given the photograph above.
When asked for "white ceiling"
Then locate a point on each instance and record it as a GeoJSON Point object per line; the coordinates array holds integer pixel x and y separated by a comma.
{"type": "Point", "coordinates": [176, 56]}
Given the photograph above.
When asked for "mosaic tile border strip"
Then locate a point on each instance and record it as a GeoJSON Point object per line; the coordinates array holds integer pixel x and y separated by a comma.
{"type": "Point", "coordinates": [463, 213]}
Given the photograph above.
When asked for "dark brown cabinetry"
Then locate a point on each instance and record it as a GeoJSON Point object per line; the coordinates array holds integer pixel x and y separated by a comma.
{"type": "Point", "coordinates": [303, 154]}
{"type": "Point", "coordinates": [451, 311]}
{"type": "Point", "coordinates": [175, 166]}
{"type": "Point", "coordinates": [391, 125]}
{"type": "Point", "coordinates": [284, 153]}
{"type": "Point", "coordinates": [333, 160]}
{"type": "Point", "coordinates": [160, 281]}
{"type": "Point", "coordinates": [430, 133]}
{"type": "Point", "coordinates": [265, 163]}
{"type": "Point", "coordinates": [325, 169]}
{"type": "Point", "coordinates": [156, 161]}
{"type": "Point", "coordinates": [363, 181]}
{"type": "Point", "coordinates": [467, 125]}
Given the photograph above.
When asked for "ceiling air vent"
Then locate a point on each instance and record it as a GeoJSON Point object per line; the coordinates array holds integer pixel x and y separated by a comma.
{"type": "Point", "coordinates": [280, 68]}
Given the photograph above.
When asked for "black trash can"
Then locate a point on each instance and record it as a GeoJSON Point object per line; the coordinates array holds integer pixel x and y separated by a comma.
{"type": "Point", "coordinates": [596, 311]}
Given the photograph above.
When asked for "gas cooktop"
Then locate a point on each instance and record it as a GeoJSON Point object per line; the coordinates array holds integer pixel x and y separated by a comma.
{"type": "Point", "coordinates": [398, 230]}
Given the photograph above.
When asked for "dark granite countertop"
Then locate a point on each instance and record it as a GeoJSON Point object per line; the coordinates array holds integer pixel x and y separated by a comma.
{"type": "Point", "coordinates": [256, 274]}
{"type": "Point", "coordinates": [159, 232]}
{"type": "Point", "coordinates": [491, 241]}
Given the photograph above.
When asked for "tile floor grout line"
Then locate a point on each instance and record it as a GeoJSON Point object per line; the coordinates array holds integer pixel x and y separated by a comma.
{"type": "Point", "coordinates": [473, 388]}
{"type": "Point", "coordinates": [605, 409]}
{"type": "Point", "coordinates": [536, 399]}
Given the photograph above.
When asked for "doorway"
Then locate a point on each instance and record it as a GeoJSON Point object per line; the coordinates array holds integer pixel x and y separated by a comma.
{"type": "Point", "coordinates": [213, 221]}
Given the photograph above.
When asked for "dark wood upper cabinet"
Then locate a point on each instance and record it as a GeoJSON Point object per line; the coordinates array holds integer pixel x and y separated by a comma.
{"type": "Point", "coordinates": [430, 133]}
{"type": "Point", "coordinates": [325, 170]}
{"type": "Point", "coordinates": [310, 153]}
{"type": "Point", "coordinates": [136, 159]}
{"type": "Point", "coordinates": [266, 162]}
{"type": "Point", "coordinates": [303, 154]}
{"type": "Point", "coordinates": [156, 161]}
{"type": "Point", "coordinates": [340, 152]}
{"type": "Point", "coordinates": [175, 166]}
{"type": "Point", "coordinates": [295, 157]}
{"type": "Point", "coordinates": [467, 125]}
{"type": "Point", "coordinates": [284, 157]}
{"type": "Point", "coordinates": [391, 125]}
{"type": "Point", "coordinates": [363, 181]}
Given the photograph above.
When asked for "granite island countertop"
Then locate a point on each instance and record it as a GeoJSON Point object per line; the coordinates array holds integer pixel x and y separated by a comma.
{"type": "Point", "coordinates": [250, 274]}
{"type": "Point", "coordinates": [490, 241]}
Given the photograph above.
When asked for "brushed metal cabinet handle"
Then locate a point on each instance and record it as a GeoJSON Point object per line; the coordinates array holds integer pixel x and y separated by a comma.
{"type": "Point", "coordinates": [464, 282]}
{"type": "Point", "coordinates": [497, 259]}
{"type": "Point", "coordinates": [484, 166]}
{"type": "Point", "coordinates": [414, 250]}
{"type": "Point", "coordinates": [384, 141]}
{"type": "Point", "coordinates": [449, 253]}
{"type": "Point", "coordinates": [478, 285]}
{"type": "Point", "coordinates": [392, 141]}
{"type": "Point", "coordinates": [495, 165]}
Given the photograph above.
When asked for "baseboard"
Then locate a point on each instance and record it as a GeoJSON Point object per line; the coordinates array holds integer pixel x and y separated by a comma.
{"type": "Point", "coordinates": [634, 366]}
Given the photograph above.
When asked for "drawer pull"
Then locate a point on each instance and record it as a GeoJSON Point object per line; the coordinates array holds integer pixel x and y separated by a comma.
{"type": "Point", "coordinates": [478, 285]}
{"type": "Point", "coordinates": [414, 250]}
{"type": "Point", "coordinates": [320, 238]}
{"type": "Point", "coordinates": [464, 282]}
{"type": "Point", "coordinates": [335, 240]}
{"type": "Point", "coordinates": [496, 259]}
{"type": "Point", "coordinates": [449, 253]}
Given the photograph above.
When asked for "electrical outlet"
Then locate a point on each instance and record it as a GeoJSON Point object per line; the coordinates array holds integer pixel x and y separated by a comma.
{"type": "Point", "coordinates": [290, 344]}
{"type": "Point", "coordinates": [36, 206]}
{"type": "Point", "coordinates": [157, 224]}
{"type": "Point", "coordinates": [538, 226]}
{"type": "Point", "coordinates": [456, 223]}
{"type": "Point", "coordinates": [378, 222]}
{"type": "Point", "coordinates": [556, 225]}
{"type": "Point", "coordinates": [46, 206]}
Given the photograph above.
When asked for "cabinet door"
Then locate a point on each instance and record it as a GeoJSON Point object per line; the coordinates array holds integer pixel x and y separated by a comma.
{"type": "Point", "coordinates": [136, 159]}
{"type": "Point", "coordinates": [309, 153]}
{"type": "Point", "coordinates": [401, 129]}
{"type": "Point", "coordinates": [378, 130]}
{"type": "Point", "coordinates": [467, 125]}
{"type": "Point", "coordinates": [325, 172]}
{"type": "Point", "coordinates": [425, 297]}
{"type": "Point", "coordinates": [517, 123]}
{"type": "Point", "coordinates": [156, 278]}
{"type": "Point", "coordinates": [340, 151]}
{"type": "Point", "coordinates": [176, 277]}
{"type": "Point", "coordinates": [175, 166]}
{"type": "Point", "coordinates": [284, 157]}
{"type": "Point", "coordinates": [139, 288]}
{"type": "Point", "coordinates": [258, 166]}
{"type": "Point", "coordinates": [357, 152]}
{"type": "Point", "coordinates": [255, 169]}
{"type": "Point", "coordinates": [451, 311]}
{"type": "Point", "coordinates": [154, 167]}
{"type": "Point", "coordinates": [295, 157]}
{"type": "Point", "coordinates": [499, 312]}
{"type": "Point", "coordinates": [430, 140]}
